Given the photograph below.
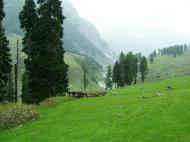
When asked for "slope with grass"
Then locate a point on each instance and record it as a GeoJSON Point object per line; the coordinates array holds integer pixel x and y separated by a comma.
{"type": "Point", "coordinates": [167, 67]}
{"type": "Point", "coordinates": [73, 60]}
{"type": "Point", "coordinates": [133, 114]}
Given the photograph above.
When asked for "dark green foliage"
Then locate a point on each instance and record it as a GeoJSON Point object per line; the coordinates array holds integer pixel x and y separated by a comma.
{"type": "Point", "coordinates": [10, 95]}
{"type": "Point", "coordinates": [173, 50]}
{"type": "Point", "coordinates": [85, 80]}
{"type": "Point", "coordinates": [28, 19]}
{"type": "Point", "coordinates": [135, 69]}
{"type": "Point", "coordinates": [185, 47]}
{"type": "Point", "coordinates": [159, 52]}
{"type": "Point", "coordinates": [152, 56]}
{"type": "Point", "coordinates": [125, 70]}
{"type": "Point", "coordinates": [46, 70]}
{"type": "Point", "coordinates": [25, 89]}
{"type": "Point", "coordinates": [116, 74]}
{"type": "Point", "coordinates": [143, 68]}
{"type": "Point", "coordinates": [109, 78]}
{"type": "Point", "coordinates": [122, 69]}
{"type": "Point", "coordinates": [5, 57]}
{"type": "Point", "coordinates": [138, 56]}
{"type": "Point", "coordinates": [154, 53]}
{"type": "Point", "coordinates": [131, 68]}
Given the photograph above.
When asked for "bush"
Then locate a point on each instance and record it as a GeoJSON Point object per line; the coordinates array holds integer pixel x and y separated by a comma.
{"type": "Point", "coordinates": [13, 115]}
{"type": "Point", "coordinates": [49, 102]}
{"type": "Point", "coordinates": [55, 101]}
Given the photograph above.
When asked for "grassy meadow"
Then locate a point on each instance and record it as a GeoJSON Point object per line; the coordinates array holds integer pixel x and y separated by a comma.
{"type": "Point", "coordinates": [130, 114]}
{"type": "Point", "coordinates": [167, 67]}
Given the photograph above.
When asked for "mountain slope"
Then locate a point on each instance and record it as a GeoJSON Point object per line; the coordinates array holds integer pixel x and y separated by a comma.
{"type": "Point", "coordinates": [76, 39]}
{"type": "Point", "coordinates": [143, 40]}
{"type": "Point", "coordinates": [74, 61]}
{"type": "Point", "coordinates": [167, 67]}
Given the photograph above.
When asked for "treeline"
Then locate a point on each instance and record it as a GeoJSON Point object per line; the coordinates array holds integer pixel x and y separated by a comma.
{"type": "Point", "coordinates": [174, 50]}
{"type": "Point", "coordinates": [125, 70]}
{"type": "Point", "coordinates": [45, 70]}
{"type": "Point", "coordinates": [171, 50]}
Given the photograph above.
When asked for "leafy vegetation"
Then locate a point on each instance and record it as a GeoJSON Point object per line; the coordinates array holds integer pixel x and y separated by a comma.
{"type": "Point", "coordinates": [125, 70]}
{"type": "Point", "coordinates": [5, 56]}
{"type": "Point", "coordinates": [12, 115]}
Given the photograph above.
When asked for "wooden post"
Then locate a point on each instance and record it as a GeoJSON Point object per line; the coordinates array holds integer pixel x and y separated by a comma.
{"type": "Point", "coordinates": [16, 73]}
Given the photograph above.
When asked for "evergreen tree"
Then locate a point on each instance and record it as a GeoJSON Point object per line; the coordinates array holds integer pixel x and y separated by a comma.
{"type": "Point", "coordinates": [154, 54]}
{"type": "Point", "coordinates": [47, 69]}
{"type": "Point", "coordinates": [85, 81]}
{"type": "Point", "coordinates": [151, 58]}
{"type": "Point", "coordinates": [135, 69]}
{"type": "Point", "coordinates": [109, 78]}
{"type": "Point", "coordinates": [122, 69]}
{"type": "Point", "coordinates": [116, 74]}
{"type": "Point", "coordinates": [5, 57]}
{"type": "Point", "coordinates": [10, 95]}
{"type": "Point", "coordinates": [138, 56]}
{"type": "Point", "coordinates": [129, 68]}
{"type": "Point", "coordinates": [185, 47]}
{"type": "Point", "coordinates": [159, 52]}
{"type": "Point", "coordinates": [28, 19]}
{"type": "Point", "coordinates": [143, 68]}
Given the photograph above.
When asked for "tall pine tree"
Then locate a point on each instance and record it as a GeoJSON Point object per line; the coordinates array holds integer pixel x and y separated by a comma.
{"type": "Point", "coordinates": [28, 20]}
{"type": "Point", "coordinates": [48, 68]}
{"type": "Point", "coordinates": [109, 78]}
{"type": "Point", "coordinates": [85, 80]}
{"type": "Point", "coordinates": [5, 57]}
{"type": "Point", "coordinates": [116, 74]}
{"type": "Point", "coordinates": [47, 71]}
{"type": "Point", "coordinates": [143, 68]}
{"type": "Point", "coordinates": [129, 68]}
{"type": "Point", "coordinates": [122, 69]}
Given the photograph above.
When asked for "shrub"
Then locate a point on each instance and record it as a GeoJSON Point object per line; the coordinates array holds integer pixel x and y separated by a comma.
{"type": "Point", "coordinates": [49, 102]}
{"type": "Point", "coordinates": [55, 101]}
{"type": "Point", "coordinates": [13, 115]}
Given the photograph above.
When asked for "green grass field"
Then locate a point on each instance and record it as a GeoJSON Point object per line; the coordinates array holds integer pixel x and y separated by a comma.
{"type": "Point", "coordinates": [169, 67]}
{"type": "Point", "coordinates": [133, 114]}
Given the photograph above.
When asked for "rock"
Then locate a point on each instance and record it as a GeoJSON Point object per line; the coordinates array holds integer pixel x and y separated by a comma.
{"type": "Point", "coordinates": [157, 95]}
{"type": "Point", "coordinates": [119, 115]}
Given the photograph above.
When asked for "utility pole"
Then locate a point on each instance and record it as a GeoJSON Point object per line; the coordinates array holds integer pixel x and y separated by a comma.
{"type": "Point", "coordinates": [16, 73]}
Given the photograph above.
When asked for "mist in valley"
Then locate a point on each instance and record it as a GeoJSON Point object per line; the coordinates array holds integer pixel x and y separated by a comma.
{"type": "Point", "coordinates": [138, 26]}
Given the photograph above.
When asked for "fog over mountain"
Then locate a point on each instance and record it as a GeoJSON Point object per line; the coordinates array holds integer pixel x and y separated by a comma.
{"type": "Point", "coordinates": [138, 25]}
{"type": "Point", "coordinates": [80, 35]}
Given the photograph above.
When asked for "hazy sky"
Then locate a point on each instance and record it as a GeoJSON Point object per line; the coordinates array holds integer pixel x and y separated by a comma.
{"type": "Point", "coordinates": [168, 14]}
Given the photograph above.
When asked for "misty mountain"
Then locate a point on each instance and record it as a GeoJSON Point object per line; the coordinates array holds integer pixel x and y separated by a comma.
{"type": "Point", "coordinates": [143, 40]}
{"type": "Point", "coordinates": [80, 36]}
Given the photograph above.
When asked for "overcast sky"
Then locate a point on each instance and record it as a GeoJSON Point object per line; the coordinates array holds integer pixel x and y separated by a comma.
{"type": "Point", "coordinates": [169, 14]}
